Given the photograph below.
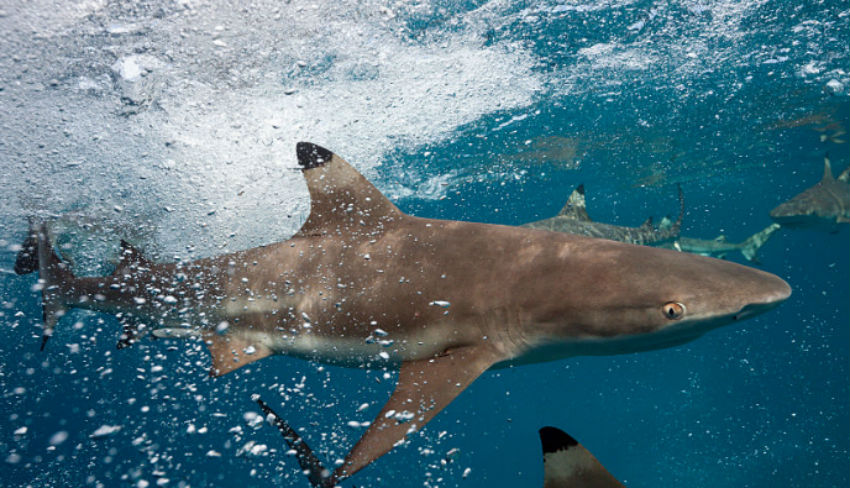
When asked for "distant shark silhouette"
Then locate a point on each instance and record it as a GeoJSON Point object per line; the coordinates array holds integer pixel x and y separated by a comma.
{"type": "Point", "coordinates": [574, 219]}
{"type": "Point", "coordinates": [567, 464]}
{"type": "Point", "coordinates": [364, 285]}
{"type": "Point", "coordinates": [719, 247]}
{"type": "Point", "coordinates": [821, 206]}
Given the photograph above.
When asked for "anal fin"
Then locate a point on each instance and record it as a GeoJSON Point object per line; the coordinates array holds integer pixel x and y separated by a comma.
{"type": "Point", "coordinates": [230, 352]}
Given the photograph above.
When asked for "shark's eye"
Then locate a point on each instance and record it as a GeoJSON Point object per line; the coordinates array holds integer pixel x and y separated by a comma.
{"type": "Point", "coordinates": [673, 310]}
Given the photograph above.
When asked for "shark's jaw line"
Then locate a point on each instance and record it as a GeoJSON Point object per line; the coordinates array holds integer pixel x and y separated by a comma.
{"type": "Point", "coordinates": [363, 284]}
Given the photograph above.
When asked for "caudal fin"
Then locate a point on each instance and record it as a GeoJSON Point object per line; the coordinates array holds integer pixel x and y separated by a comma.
{"type": "Point", "coordinates": [319, 476]}
{"type": "Point", "coordinates": [567, 464]}
{"type": "Point", "coordinates": [676, 228]}
{"type": "Point", "coordinates": [754, 242]}
{"type": "Point", "coordinates": [54, 276]}
{"type": "Point", "coordinates": [27, 260]}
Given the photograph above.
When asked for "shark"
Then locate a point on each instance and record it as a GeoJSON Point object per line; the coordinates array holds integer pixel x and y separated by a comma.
{"type": "Point", "coordinates": [567, 464]}
{"type": "Point", "coordinates": [574, 219]}
{"type": "Point", "coordinates": [822, 206]}
{"type": "Point", "coordinates": [720, 247]}
{"type": "Point", "coordinates": [364, 285]}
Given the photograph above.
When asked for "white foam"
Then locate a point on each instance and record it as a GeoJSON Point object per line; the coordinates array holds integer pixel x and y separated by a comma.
{"type": "Point", "coordinates": [208, 129]}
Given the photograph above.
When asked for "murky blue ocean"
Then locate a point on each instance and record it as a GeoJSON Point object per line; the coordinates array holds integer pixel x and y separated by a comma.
{"type": "Point", "coordinates": [173, 125]}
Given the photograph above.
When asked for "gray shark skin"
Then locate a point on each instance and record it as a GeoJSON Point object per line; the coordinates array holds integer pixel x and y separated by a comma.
{"type": "Point", "coordinates": [364, 285]}
{"type": "Point", "coordinates": [573, 219]}
{"type": "Point", "coordinates": [720, 247]}
{"type": "Point", "coordinates": [567, 464]}
{"type": "Point", "coordinates": [822, 206]}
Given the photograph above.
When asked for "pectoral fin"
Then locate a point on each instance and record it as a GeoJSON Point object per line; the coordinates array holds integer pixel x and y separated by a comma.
{"type": "Point", "coordinates": [424, 388]}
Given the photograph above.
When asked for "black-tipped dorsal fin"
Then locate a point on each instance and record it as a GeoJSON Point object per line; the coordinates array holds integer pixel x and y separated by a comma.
{"type": "Point", "coordinates": [827, 169]}
{"type": "Point", "coordinates": [576, 206]}
{"type": "Point", "coordinates": [340, 197]}
{"type": "Point", "coordinates": [131, 259]}
{"type": "Point", "coordinates": [566, 463]}
{"type": "Point", "coordinates": [647, 224]}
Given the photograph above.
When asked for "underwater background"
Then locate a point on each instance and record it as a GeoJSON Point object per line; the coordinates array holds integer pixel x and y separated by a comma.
{"type": "Point", "coordinates": [172, 124]}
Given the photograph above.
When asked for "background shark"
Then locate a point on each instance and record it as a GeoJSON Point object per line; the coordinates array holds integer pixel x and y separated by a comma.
{"type": "Point", "coordinates": [720, 247]}
{"type": "Point", "coordinates": [573, 219]}
{"type": "Point", "coordinates": [364, 285]}
{"type": "Point", "coordinates": [822, 206]}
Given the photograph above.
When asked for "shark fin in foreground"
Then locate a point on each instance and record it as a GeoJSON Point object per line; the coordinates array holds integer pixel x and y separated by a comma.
{"type": "Point", "coordinates": [567, 464]}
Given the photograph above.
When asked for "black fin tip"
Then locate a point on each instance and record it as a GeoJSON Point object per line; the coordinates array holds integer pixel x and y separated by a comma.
{"type": "Point", "coordinates": [312, 156]}
{"type": "Point", "coordinates": [554, 440]}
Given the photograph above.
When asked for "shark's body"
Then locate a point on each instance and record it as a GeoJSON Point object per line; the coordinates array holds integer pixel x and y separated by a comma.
{"type": "Point", "coordinates": [720, 247]}
{"type": "Point", "coordinates": [574, 219]}
{"type": "Point", "coordinates": [363, 284]}
{"type": "Point", "coordinates": [822, 206]}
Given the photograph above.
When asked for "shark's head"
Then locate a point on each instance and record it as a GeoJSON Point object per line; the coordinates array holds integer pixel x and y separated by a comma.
{"type": "Point", "coordinates": [702, 293]}
{"type": "Point", "coordinates": [804, 210]}
{"type": "Point", "coordinates": [639, 298]}
{"type": "Point", "coordinates": [821, 206]}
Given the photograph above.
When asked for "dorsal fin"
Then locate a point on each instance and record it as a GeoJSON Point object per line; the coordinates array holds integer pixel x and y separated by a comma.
{"type": "Point", "coordinates": [827, 169]}
{"type": "Point", "coordinates": [566, 463]}
{"type": "Point", "coordinates": [340, 197]}
{"type": "Point", "coordinates": [666, 223]}
{"type": "Point", "coordinates": [845, 175]}
{"type": "Point", "coordinates": [576, 206]}
{"type": "Point", "coordinates": [647, 224]}
{"type": "Point", "coordinates": [720, 238]}
{"type": "Point", "coordinates": [131, 258]}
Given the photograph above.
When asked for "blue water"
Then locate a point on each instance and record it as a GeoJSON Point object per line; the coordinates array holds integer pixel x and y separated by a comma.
{"type": "Point", "coordinates": [742, 123]}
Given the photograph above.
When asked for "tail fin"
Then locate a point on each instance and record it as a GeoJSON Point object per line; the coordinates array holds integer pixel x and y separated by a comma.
{"type": "Point", "coordinates": [566, 463]}
{"type": "Point", "coordinates": [27, 260]}
{"type": "Point", "coordinates": [754, 242]}
{"type": "Point", "coordinates": [319, 476]}
{"type": "Point", "coordinates": [676, 228]}
{"type": "Point", "coordinates": [53, 276]}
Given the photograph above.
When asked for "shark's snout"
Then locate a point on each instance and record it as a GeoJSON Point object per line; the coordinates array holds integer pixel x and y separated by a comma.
{"type": "Point", "coordinates": [775, 290]}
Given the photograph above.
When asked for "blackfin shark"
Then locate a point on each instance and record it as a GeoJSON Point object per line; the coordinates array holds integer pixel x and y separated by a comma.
{"type": "Point", "coordinates": [822, 206]}
{"type": "Point", "coordinates": [567, 464]}
{"type": "Point", "coordinates": [365, 285]}
{"type": "Point", "coordinates": [574, 219]}
{"type": "Point", "coordinates": [720, 247]}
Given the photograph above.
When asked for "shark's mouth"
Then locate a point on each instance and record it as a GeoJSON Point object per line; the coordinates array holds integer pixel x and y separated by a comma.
{"type": "Point", "coordinates": [755, 309]}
